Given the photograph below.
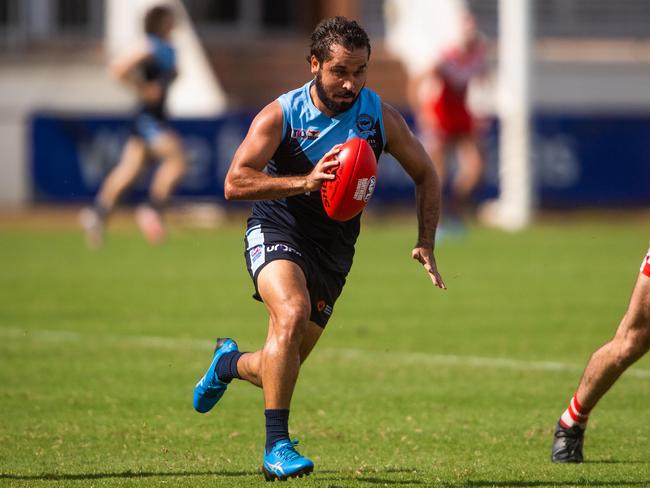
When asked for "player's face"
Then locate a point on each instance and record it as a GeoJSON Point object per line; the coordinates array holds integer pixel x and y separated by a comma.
{"type": "Point", "coordinates": [340, 78]}
{"type": "Point", "coordinates": [167, 24]}
{"type": "Point", "coordinates": [469, 30]}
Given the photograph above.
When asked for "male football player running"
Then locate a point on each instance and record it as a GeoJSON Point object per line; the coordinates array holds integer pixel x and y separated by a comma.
{"type": "Point", "coordinates": [630, 343]}
{"type": "Point", "coordinates": [297, 257]}
{"type": "Point", "coordinates": [149, 70]}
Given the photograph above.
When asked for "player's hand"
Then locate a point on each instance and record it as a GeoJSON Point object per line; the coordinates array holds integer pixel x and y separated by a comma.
{"type": "Point", "coordinates": [319, 174]}
{"type": "Point", "coordinates": [425, 256]}
{"type": "Point", "coordinates": [151, 92]}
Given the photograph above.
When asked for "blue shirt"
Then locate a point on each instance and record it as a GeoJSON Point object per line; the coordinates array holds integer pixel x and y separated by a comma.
{"type": "Point", "coordinates": [307, 135]}
{"type": "Point", "coordinates": [160, 66]}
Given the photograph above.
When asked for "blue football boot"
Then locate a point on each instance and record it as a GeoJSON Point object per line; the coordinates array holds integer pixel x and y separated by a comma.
{"type": "Point", "coordinates": [210, 389]}
{"type": "Point", "coordinates": [284, 462]}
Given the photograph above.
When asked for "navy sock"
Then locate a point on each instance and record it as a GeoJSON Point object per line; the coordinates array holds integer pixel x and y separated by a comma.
{"type": "Point", "coordinates": [101, 211]}
{"type": "Point", "coordinates": [277, 426]}
{"type": "Point", "coordinates": [227, 366]}
{"type": "Point", "coordinates": [158, 206]}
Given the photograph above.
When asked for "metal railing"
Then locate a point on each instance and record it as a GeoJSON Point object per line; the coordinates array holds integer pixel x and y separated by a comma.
{"type": "Point", "coordinates": [24, 23]}
{"type": "Point", "coordinates": [575, 19]}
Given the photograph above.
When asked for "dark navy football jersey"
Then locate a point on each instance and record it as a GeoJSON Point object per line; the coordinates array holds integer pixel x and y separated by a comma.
{"type": "Point", "coordinates": [307, 135]}
{"type": "Point", "coordinates": [160, 66]}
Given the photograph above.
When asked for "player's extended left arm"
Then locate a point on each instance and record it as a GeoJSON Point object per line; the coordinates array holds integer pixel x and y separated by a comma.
{"type": "Point", "coordinates": [411, 155]}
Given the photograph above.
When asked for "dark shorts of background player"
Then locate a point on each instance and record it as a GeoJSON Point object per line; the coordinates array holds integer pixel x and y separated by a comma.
{"type": "Point", "coordinates": [324, 286]}
{"type": "Point", "coordinates": [148, 126]}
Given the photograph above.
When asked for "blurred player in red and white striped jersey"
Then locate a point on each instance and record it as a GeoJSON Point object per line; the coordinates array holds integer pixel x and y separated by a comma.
{"type": "Point", "coordinates": [439, 98]}
{"type": "Point", "coordinates": [630, 343]}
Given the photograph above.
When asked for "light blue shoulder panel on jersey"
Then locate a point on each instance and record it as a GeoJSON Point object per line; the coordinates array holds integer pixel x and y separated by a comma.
{"type": "Point", "coordinates": [163, 52]}
{"type": "Point", "coordinates": [317, 133]}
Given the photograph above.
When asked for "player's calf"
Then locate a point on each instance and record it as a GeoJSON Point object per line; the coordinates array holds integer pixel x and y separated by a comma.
{"type": "Point", "coordinates": [151, 225]}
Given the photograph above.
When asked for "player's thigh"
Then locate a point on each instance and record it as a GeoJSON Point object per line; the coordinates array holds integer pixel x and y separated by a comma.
{"type": "Point", "coordinates": [470, 154]}
{"type": "Point", "coordinates": [283, 288]}
{"type": "Point", "coordinates": [134, 156]}
{"type": "Point", "coordinates": [438, 149]}
{"type": "Point", "coordinates": [633, 334]}
{"type": "Point", "coordinates": [638, 312]}
{"type": "Point", "coordinates": [167, 145]}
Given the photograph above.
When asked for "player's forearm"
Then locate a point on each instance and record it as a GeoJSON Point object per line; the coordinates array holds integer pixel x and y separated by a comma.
{"type": "Point", "coordinates": [427, 196]}
{"type": "Point", "coordinates": [251, 184]}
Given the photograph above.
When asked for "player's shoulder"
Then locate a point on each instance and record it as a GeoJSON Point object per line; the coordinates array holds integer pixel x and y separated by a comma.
{"type": "Point", "coordinates": [295, 98]}
{"type": "Point", "coordinates": [391, 115]}
{"type": "Point", "coordinates": [395, 126]}
{"type": "Point", "coordinates": [369, 92]}
{"type": "Point", "coordinates": [269, 119]}
{"type": "Point", "coordinates": [161, 51]}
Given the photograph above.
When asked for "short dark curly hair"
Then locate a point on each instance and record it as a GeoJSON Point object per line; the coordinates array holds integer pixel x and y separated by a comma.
{"type": "Point", "coordinates": [336, 30]}
{"type": "Point", "coordinates": [154, 17]}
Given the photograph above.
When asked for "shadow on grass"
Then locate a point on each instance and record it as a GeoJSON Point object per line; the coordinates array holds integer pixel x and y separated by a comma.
{"type": "Point", "coordinates": [612, 461]}
{"type": "Point", "coordinates": [125, 474]}
{"type": "Point", "coordinates": [477, 483]}
{"type": "Point", "coordinates": [375, 477]}
{"type": "Point", "coordinates": [387, 481]}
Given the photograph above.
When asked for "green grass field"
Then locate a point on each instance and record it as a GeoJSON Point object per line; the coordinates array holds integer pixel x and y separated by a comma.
{"type": "Point", "coordinates": [411, 386]}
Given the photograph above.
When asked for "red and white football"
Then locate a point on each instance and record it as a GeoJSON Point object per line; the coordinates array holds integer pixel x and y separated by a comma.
{"type": "Point", "coordinates": [356, 176]}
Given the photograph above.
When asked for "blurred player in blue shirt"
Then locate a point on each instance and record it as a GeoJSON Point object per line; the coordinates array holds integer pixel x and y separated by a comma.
{"type": "Point", "coordinates": [149, 70]}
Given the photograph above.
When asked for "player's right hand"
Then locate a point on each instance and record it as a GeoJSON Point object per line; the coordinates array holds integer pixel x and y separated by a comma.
{"type": "Point", "coordinates": [151, 92]}
{"type": "Point", "coordinates": [320, 172]}
{"type": "Point", "coordinates": [424, 255]}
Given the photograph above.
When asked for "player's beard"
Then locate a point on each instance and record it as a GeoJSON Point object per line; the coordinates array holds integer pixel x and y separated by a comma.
{"type": "Point", "coordinates": [332, 105]}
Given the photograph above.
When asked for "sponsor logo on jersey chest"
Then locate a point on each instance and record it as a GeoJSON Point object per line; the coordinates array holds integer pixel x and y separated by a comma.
{"type": "Point", "coordinates": [309, 134]}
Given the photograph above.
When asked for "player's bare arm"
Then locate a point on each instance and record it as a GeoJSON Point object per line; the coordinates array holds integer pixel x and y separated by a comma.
{"type": "Point", "coordinates": [124, 70]}
{"type": "Point", "coordinates": [246, 180]}
{"type": "Point", "coordinates": [405, 147]}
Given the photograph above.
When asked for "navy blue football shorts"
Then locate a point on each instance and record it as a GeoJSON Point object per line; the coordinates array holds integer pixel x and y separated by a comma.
{"type": "Point", "coordinates": [148, 127]}
{"type": "Point", "coordinates": [264, 245]}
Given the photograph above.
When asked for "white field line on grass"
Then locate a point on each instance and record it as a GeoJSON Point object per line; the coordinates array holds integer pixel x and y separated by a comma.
{"type": "Point", "coordinates": [156, 342]}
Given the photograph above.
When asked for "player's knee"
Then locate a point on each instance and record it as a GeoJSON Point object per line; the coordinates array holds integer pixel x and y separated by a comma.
{"type": "Point", "coordinates": [180, 168]}
{"type": "Point", "coordinates": [174, 168]}
{"type": "Point", "coordinates": [641, 317]}
{"type": "Point", "coordinates": [292, 323]}
{"type": "Point", "coordinates": [638, 324]}
{"type": "Point", "coordinates": [643, 340]}
{"type": "Point", "coordinates": [633, 347]}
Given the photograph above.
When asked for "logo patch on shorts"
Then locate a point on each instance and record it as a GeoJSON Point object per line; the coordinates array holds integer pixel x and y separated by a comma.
{"type": "Point", "coordinates": [282, 248]}
{"type": "Point", "coordinates": [323, 307]}
{"type": "Point", "coordinates": [256, 253]}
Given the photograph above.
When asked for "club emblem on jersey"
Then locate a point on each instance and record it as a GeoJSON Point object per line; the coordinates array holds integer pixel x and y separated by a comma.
{"type": "Point", "coordinates": [309, 134]}
{"type": "Point", "coordinates": [365, 124]}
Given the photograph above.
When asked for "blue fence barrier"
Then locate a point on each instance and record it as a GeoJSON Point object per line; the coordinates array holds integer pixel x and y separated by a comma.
{"type": "Point", "coordinates": [578, 160]}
